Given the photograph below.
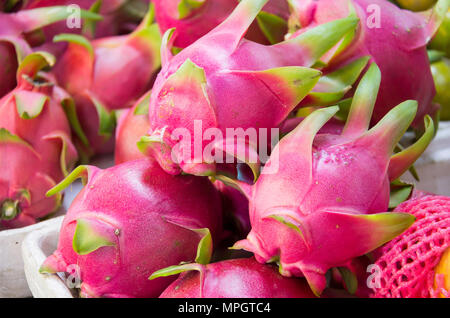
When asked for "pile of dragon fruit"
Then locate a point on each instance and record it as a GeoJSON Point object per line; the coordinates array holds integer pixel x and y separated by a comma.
{"type": "Point", "coordinates": [259, 144]}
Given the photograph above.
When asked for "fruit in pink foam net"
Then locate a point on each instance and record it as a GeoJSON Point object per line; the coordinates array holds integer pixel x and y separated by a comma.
{"type": "Point", "coordinates": [316, 204]}
{"type": "Point", "coordinates": [416, 264]}
{"type": "Point", "coordinates": [131, 220]}
{"type": "Point", "coordinates": [36, 149]}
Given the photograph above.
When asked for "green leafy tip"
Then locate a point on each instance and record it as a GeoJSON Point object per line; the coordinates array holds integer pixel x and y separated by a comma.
{"type": "Point", "coordinates": [33, 63]}
{"type": "Point", "coordinates": [87, 237]}
{"type": "Point", "coordinates": [205, 247]}
{"type": "Point", "coordinates": [30, 104]}
{"type": "Point", "coordinates": [76, 39]}
{"type": "Point", "coordinates": [175, 270]}
{"type": "Point", "coordinates": [187, 7]}
{"type": "Point", "coordinates": [83, 172]}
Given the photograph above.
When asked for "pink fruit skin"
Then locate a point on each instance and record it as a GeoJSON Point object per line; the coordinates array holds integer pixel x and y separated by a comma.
{"type": "Point", "coordinates": [192, 28]}
{"type": "Point", "coordinates": [407, 263]}
{"type": "Point", "coordinates": [11, 28]}
{"type": "Point", "coordinates": [146, 212]}
{"type": "Point", "coordinates": [316, 204]}
{"type": "Point", "coordinates": [235, 92]}
{"type": "Point", "coordinates": [8, 68]}
{"type": "Point", "coordinates": [333, 127]}
{"type": "Point", "coordinates": [35, 167]}
{"type": "Point", "coordinates": [130, 128]}
{"type": "Point", "coordinates": [398, 46]}
{"type": "Point", "coordinates": [206, 18]}
{"type": "Point", "coordinates": [121, 70]}
{"type": "Point", "coordinates": [116, 76]}
{"type": "Point", "coordinates": [14, 28]}
{"type": "Point", "coordinates": [308, 189]}
{"type": "Point", "coordinates": [89, 120]}
{"type": "Point", "coordinates": [238, 278]}
{"type": "Point", "coordinates": [109, 26]}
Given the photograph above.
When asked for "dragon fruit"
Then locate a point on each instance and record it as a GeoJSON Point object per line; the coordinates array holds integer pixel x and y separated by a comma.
{"type": "Point", "coordinates": [395, 39]}
{"type": "Point", "coordinates": [237, 278]}
{"type": "Point", "coordinates": [131, 126]}
{"type": "Point", "coordinates": [14, 28]}
{"type": "Point", "coordinates": [417, 263]}
{"type": "Point", "coordinates": [320, 199]}
{"type": "Point", "coordinates": [119, 16]}
{"type": "Point", "coordinates": [225, 82]}
{"type": "Point", "coordinates": [36, 150]}
{"type": "Point", "coordinates": [193, 19]}
{"type": "Point", "coordinates": [105, 75]}
{"type": "Point", "coordinates": [131, 220]}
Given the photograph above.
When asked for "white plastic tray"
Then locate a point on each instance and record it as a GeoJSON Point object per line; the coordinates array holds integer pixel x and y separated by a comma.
{"type": "Point", "coordinates": [35, 249]}
{"type": "Point", "coordinates": [12, 277]}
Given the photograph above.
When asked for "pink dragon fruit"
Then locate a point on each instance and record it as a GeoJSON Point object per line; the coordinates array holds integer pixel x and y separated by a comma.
{"type": "Point", "coordinates": [131, 220]}
{"type": "Point", "coordinates": [395, 39]}
{"type": "Point", "coordinates": [131, 126]}
{"type": "Point", "coordinates": [320, 199]}
{"type": "Point", "coordinates": [226, 82]}
{"type": "Point", "coordinates": [36, 150]}
{"type": "Point", "coordinates": [416, 264]}
{"type": "Point", "coordinates": [118, 16]}
{"type": "Point", "coordinates": [13, 45]}
{"type": "Point", "coordinates": [237, 278]}
{"type": "Point", "coordinates": [105, 75]}
{"type": "Point", "coordinates": [192, 19]}
{"type": "Point", "coordinates": [195, 18]}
